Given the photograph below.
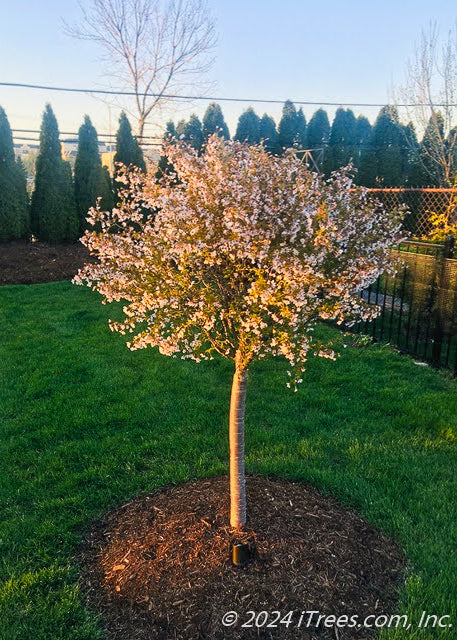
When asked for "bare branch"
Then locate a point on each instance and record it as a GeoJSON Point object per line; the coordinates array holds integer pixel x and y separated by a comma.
{"type": "Point", "coordinates": [431, 79]}
{"type": "Point", "coordinates": [151, 46]}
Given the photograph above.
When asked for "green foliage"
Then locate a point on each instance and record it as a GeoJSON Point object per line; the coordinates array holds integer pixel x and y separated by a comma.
{"type": "Point", "coordinates": [432, 174]}
{"type": "Point", "coordinates": [451, 145]}
{"type": "Point", "coordinates": [106, 190]}
{"type": "Point", "coordinates": [128, 151]}
{"type": "Point", "coordinates": [180, 127]}
{"type": "Point", "coordinates": [23, 198]}
{"type": "Point", "coordinates": [318, 130]}
{"type": "Point", "coordinates": [189, 132]}
{"type": "Point", "coordinates": [412, 168]}
{"type": "Point", "coordinates": [53, 212]}
{"type": "Point", "coordinates": [164, 166]}
{"type": "Point", "coordinates": [363, 131]}
{"type": "Point", "coordinates": [301, 139]}
{"type": "Point", "coordinates": [317, 135]}
{"type": "Point", "coordinates": [385, 160]}
{"type": "Point", "coordinates": [288, 128]}
{"type": "Point", "coordinates": [14, 206]}
{"type": "Point", "coordinates": [342, 146]}
{"type": "Point", "coordinates": [368, 168]}
{"type": "Point", "coordinates": [90, 178]}
{"type": "Point", "coordinates": [248, 128]}
{"type": "Point", "coordinates": [193, 133]}
{"type": "Point", "coordinates": [389, 144]}
{"type": "Point", "coordinates": [99, 424]}
{"type": "Point", "coordinates": [213, 122]}
{"type": "Point", "coordinates": [268, 133]}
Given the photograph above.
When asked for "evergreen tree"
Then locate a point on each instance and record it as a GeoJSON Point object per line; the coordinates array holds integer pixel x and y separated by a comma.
{"type": "Point", "coordinates": [318, 130]}
{"type": "Point", "coordinates": [53, 212]}
{"type": "Point", "coordinates": [193, 133]}
{"type": "Point", "coordinates": [362, 139]}
{"type": "Point", "coordinates": [317, 134]}
{"type": "Point", "coordinates": [268, 133]}
{"type": "Point", "coordinates": [180, 129]}
{"type": "Point", "coordinates": [128, 151]}
{"type": "Point", "coordinates": [213, 122]}
{"type": "Point", "coordinates": [13, 187]}
{"type": "Point", "coordinates": [23, 198]}
{"type": "Point", "coordinates": [432, 174]}
{"type": "Point", "coordinates": [163, 165]}
{"type": "Point", "coordinates": [342, 141]}
{"type": "Point", "coordinates": [106, 190]}
{"type": "Point", "coordinates": [288, 126]}
{"type": "Point", "coordinates": [301, 140]}
{"type": "Point", "coordinates": [451, 144]}
{"type": "Point", "coordinates": [411, 163]}
{"type": "Point", "coordinates": [90, 178]}
{"type": "Point", "coordinates": [248, 129]}
{"type": "Point", "coordinates": [389, 145]}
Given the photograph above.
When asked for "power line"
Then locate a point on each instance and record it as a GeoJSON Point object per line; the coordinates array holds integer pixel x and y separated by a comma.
{"type": "Point", "coordinates": [218, 99]}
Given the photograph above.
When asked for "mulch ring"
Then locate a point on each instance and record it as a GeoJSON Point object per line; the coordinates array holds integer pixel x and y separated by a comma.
{"type": "Point", "coordinates": [158, 566]}
{"type": "Point", "coordinates": [31, 262]}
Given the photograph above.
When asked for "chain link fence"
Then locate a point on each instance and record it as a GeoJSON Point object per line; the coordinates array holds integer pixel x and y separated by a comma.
{"type": "Point", "coordinates": [423, 207]}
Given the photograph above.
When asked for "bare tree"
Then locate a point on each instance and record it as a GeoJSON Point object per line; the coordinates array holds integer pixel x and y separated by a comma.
{"type": "Point", "coordinates": [429, 93]}
{"type": "Point", "coordinates": [153, 47]}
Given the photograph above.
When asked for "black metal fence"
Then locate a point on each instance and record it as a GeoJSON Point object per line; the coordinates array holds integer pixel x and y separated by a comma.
{"type": "Point", "coordinates": [421, 204]}
{"type": "Point", "coordinates": [418, 304]}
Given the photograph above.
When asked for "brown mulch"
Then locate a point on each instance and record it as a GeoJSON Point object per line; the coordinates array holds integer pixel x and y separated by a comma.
{"type": "Point", "coordinates": [158, 566]}
{"type": "Point", "coordinates": [31, 262]}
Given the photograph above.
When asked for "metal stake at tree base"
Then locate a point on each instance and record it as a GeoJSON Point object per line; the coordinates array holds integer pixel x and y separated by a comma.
{"type": "Point", "coordinates": [241, 554]}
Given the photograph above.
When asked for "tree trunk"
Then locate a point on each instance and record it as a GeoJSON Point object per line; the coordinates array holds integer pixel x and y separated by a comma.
{"type": "Point", "coordinates": [141, 123]}
{"type": "Point", "coordinates": [236, 438]}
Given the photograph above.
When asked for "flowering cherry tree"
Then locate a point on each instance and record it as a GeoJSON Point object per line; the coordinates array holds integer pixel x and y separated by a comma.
{"type": "Point", "coordinates": [240, 253]}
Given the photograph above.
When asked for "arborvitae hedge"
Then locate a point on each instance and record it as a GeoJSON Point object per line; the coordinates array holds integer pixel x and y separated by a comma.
{"type": "Point", "coordinates": [288, 126]}
{"type": "Point", "coordinates": [91, 180]}
{"type": "Point", "coordinates": [193, 133]}
{"type": "Point", "coordinates": [14, 205]}
{"type": "Point", "coordinates": [53, 212]}
{"type": "Point", "coordinates": [213, 122]}
{"type": "Point", "coordinates": [128, 150]}
{"type": "Point", "coordinates": [248, 128]}
{"type": "Point", "coordinates": [268, 133]}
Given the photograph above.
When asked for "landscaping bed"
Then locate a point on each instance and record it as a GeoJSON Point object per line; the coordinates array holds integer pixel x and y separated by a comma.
{"type": "Point", "coordinates": [158, 567]}
{"type": "Point", "coordinates": [35, 262]}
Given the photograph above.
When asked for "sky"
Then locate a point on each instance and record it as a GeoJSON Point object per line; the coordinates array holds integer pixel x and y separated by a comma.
{"type": "Point", "coordinates": [333, 51]}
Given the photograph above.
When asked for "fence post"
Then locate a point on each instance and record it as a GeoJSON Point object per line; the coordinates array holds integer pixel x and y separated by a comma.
{"type": "Point", "coordinates": [438, 334]}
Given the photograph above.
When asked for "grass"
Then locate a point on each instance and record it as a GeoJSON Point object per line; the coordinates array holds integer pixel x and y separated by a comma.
{"type": "Point", "coordinates": [85, 424]}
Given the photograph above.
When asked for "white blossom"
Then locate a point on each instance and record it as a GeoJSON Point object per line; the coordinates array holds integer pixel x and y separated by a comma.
{"type": "Point", "coordinates": [238, 251]}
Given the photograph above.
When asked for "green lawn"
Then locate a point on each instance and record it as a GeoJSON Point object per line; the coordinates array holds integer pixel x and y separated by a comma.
{"type": "Point", "coordinates": [86, 424]}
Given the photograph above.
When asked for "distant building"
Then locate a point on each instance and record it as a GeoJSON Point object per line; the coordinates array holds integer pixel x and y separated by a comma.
{"type": "Point", "coordinates": [21, 150]}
